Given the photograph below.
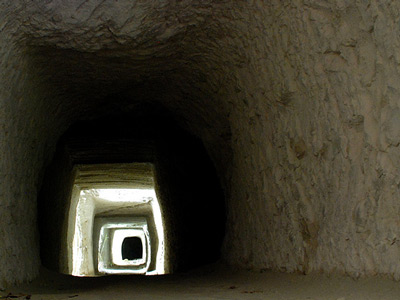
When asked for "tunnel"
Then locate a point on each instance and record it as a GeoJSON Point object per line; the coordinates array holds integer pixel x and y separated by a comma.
{"type": "Point", "coordinates": [186, 183]}
{"type": "Point", "coordinates": [271, 127]}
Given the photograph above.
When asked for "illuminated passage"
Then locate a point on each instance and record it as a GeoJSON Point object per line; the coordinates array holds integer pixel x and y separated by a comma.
{"type": "Point", "coordinates": [115, 222]}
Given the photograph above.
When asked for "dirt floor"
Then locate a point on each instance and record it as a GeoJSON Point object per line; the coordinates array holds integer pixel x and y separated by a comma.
{"type": "Point", "coordinates": [212, 282]}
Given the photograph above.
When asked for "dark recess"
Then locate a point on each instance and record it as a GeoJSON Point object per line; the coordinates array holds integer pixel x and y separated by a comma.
{"type": "Point", "coordinates": [132, 248]}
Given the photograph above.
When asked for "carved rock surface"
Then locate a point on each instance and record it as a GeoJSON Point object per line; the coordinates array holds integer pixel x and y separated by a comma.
{"type": "Point", "coordinates": [297, 103]}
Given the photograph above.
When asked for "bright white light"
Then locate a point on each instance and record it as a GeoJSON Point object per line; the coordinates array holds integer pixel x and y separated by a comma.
{"type": "Point", "coordinates": [125, 195]}
{"type": "Point", "coordinates": [160, 265]}
{"type": "Point", "coordinates": [81, 248]}
{"type": "Point", "coordinates": [140, 195]}
{"type": "Point", "coordinates": [82, 262]}
{"type": "Point", "coordinates": [118, 238]}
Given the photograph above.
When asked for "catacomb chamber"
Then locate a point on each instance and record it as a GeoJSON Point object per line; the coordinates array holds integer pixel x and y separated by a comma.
{"type": "Point", "coordinates": [296, 104]}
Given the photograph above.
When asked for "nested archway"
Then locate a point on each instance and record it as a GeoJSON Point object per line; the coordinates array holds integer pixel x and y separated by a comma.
{"type": "Point", "coordinates": [184, 178]}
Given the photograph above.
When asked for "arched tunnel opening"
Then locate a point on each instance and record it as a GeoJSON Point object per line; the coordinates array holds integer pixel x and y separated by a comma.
{"type": "Point", "coordinates": [186, 183]}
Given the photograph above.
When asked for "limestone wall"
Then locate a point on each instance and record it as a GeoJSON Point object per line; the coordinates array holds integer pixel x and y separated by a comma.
{"type": "Point", "coordinates": [296, 101]}
{"type": "Point", "coordinates": [319, 132]}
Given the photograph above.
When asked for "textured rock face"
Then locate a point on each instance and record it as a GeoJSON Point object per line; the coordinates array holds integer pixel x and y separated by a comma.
{"type": "Point", "coordinates": [297, 103]}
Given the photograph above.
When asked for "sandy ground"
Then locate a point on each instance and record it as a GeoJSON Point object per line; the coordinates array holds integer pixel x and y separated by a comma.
{"type": "Point", "coordinates": [212, 282]}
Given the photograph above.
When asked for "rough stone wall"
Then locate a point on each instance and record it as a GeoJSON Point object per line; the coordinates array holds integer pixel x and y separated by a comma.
{"type": "Point", "coordinates": [296, 101]}
{"type": "Point", "coordinates": [319, 134]}
{"type": "Point", "coordinates": [23, 138]}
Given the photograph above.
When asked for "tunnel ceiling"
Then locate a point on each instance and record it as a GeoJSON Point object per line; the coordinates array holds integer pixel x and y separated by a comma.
{"type": "Point", "coordinates": [297, 103]}
{"type": "Point", "coordinates": [159, 52]}
{"type": "Point", "coordinates": [168, 52]}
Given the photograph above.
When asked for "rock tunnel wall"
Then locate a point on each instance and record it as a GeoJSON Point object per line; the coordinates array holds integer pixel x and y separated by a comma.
{"type": "Point", "coordinates": [296, 102]}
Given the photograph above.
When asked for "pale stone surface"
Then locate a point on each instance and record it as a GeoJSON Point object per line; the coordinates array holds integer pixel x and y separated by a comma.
{"type": "Point", "coordinates": [297, 103]}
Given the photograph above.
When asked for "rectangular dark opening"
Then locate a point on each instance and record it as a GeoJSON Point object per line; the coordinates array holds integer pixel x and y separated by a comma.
{"type": "Point", "coordinates": [132, 248]}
